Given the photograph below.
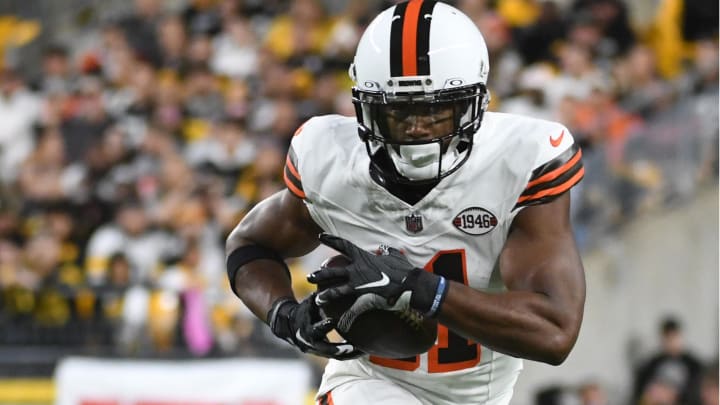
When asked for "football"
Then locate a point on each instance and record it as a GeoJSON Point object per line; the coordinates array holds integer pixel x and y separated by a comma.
{"type": "Point", "coordinates": [390, 334]}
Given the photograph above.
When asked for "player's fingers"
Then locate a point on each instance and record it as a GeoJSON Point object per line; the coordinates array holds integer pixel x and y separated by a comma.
{"type": "Point", "coordinates": [331, 294]}
{"type": "Point", "coordinates": [327, 273]}
{"type": "Point", "coordinates": [321, 328]}
{"type": "Point", "coordinates": [343, 246]}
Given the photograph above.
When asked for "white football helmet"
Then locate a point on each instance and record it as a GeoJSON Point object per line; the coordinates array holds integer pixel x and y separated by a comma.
{"type": "Point", "coordinates": [415, 59]}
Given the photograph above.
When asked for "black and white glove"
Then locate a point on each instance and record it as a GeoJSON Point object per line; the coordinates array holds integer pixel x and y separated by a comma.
{"type": "Point", "coordinates": [301, 325]}
{"type": "Point", "coordinates": [384, 281]}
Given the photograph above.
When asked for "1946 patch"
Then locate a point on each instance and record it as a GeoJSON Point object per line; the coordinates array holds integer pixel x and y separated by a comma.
{"type": "Point", "coordinates": [475, 221]}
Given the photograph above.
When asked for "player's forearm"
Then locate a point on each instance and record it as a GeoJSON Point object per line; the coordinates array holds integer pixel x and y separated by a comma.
{"type": "Point", "coordinates": [519, 323]}
{"type": "Point", "coordinates": [260, 283]}
{"type": "Point", "coordinates": [277, 228]}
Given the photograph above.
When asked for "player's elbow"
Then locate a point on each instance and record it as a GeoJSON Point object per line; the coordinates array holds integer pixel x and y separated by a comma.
{"type": "Point", "coordinates": [558, 349]}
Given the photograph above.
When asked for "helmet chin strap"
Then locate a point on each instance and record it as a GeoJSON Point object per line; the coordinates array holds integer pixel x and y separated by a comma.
{"type": "Point", "coordinates": [421, 162]}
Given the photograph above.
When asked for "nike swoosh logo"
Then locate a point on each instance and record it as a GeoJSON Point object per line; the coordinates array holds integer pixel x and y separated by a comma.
{"type": "Point", "coordinates": [385, 280]}
{"type": "Point", "coordinates": [299, 337]}
{"type": "Point", "coordinates": [427, 16]}
{"type": "Point", "coordinates": [555, 142]}
{"type": "Point", "coordinates": [344, 349]}
{"type": "Point", "coordinates": [395, 17]}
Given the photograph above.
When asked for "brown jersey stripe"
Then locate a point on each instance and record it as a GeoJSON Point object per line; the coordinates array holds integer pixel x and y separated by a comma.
{"type": "Point", "coordinates": [292, 156]}
{"type": "Point", "coordinates": [557, 172]}
{"type": "Point", "coordinates": [326, 399]}
{"type": "Point", "coordinates": [559, 161]}
{"type": "Point", "coordinates": [293, 184]}
{"type": "Point", "coordinates": [562, 178]}
{"type": "Point", "coordinates": [292, 177]}
{"type": "Point", "coordinates": [396, 40]}
{"type": "Point", "coordinates": [551, 193]}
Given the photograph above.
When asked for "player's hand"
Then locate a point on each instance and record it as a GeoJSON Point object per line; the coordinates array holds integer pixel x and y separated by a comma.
{"type": "Point", "coordinates": [301, 325]}
{"type": "Point", "coordinates": [388, 275]}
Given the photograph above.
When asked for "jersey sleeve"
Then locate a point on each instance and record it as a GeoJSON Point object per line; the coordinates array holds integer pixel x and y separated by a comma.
{"type": "Point", "coordinates": [300, 148]}
{"type": "Point", "coordinates": [558, 170]}
{"type": "Point", "coordinates": [291, 175]}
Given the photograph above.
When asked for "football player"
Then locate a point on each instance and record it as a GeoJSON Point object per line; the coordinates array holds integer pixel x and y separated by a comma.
{"type": "Point", "coordinates": [476, 201]}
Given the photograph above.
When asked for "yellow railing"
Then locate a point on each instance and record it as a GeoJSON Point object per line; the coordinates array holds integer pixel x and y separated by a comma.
{"type": "Point", "coordinates": [27, 391]}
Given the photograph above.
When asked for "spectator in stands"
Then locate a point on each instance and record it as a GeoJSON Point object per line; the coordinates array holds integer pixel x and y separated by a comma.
{"type": "Point", "coordinates": [19, 111]}
{"type": "Point", "coordinates": [542, 27]}
{"type": "Point", "coordinates": [235, 52]}
{"type": "Point", "coordinates": [505, 61]}
{"type": "Point", "coordinates": [140, 29]}
{"type": "Point", "coordinates": [640, 82]}
{"type": "Point", "coordinates": [301, 34]}
{"type": "Point", "coordinates": [577, 75]}
{"type": "Point", "coordinates": [90, 119]}
{"type": "Point", "coordinates": [611, 17]}
{"type": "Point", "coordinates": [202, 18]}
{"type": "Point", "coordinates": [237, 101]}
{"type": "Point", "coordinates": [199, 51]}
{"type": "Point", "coordinates": [225, 152]}
{"type": "Point", "coordinates": [203, 99]}
{"type": "Point", "coordinates": [168, 111]}
{"type": "Point", "coordinates": [592, 393]}
{"type": "Point", "coordinates": [709, 386]}
{"type": "Point", "coordinates": [670, 375]}
{"type": "Point", "coordinates": [44, 175]}
{"type": "Point", "coordinates": [57, 74]}
{"type": "Point", "coordinates": [130, 234]}
{"type": "Point", "coordinates": [172, 40]}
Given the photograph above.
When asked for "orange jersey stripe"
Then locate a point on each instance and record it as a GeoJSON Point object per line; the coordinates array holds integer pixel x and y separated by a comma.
{"type": "Point", "coordinates": [293, 189]}
{"type": "Point", "coordinates": [409, 38]}
{"type": "Point", "coordinates": [554, 174]}
{"type": "Point", "coordinates": [294, 171]}
{"type": "Point", "coordinates": [555, 190]}
{"type": "Point", "coordinates": [297, 131]}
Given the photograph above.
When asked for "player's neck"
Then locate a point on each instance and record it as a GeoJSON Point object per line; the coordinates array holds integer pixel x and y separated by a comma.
{"type": "Point", "coordinates": [409, 193]}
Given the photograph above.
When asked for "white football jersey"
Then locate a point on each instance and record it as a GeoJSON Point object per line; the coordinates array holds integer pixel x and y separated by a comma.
{"type": "Point", "coordinates": [457, 230]}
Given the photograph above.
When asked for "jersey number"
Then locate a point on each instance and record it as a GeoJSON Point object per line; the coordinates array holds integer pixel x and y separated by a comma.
{"type": "Point", "coordinates": [451, 352]}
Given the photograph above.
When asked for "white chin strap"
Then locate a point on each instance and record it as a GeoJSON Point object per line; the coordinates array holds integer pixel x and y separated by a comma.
{"type": "Point", "coordinates": [420, 162]}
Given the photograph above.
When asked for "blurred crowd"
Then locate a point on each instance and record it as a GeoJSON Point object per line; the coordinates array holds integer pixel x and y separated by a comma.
{"type": "Point", "coordinates": [670, 375]}
{"type": "Point", "coordinates": [129, 157]}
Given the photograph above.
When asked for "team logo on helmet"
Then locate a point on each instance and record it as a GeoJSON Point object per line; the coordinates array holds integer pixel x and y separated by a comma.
{"type": "Point", "coordinates": [475, 221]}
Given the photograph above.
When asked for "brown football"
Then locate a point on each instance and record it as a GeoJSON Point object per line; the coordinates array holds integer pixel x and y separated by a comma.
{"type": "Point", "coordinates": [382, 333]}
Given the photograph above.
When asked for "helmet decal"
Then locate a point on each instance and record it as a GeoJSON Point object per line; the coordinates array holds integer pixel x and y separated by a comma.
{"type": "Point", "coordinates": [410, 38]}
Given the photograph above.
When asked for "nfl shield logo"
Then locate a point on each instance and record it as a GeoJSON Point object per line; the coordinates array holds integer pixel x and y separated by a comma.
{"type": "Point", "coordinates": [413, 223]}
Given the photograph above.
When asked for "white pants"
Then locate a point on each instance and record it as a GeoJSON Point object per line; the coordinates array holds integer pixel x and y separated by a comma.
{"type": "Point", "coordinates": [364, 392]}
{"type": "Point", "coordinates": [357, 382]}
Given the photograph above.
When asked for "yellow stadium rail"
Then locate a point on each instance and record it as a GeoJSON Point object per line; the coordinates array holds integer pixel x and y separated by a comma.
{"type": "Point", "coordinates": [27, 391]}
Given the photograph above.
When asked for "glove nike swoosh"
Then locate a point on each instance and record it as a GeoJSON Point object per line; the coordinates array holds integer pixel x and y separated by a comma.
{"type": "Point", "coordinates": [299, 337]}
{"type": "Point", "coordinates": [345, 349]}
{"type": "Point", "coordinates": [385, 280]}
{"type": "Point", "coordinates": [319, 301]}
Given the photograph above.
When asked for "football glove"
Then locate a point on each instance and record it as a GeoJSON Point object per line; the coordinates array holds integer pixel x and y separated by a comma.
{"type": "Point", "coordinates": [301, 325]}
{"type": "Point", "coordinates": [384, 281]}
